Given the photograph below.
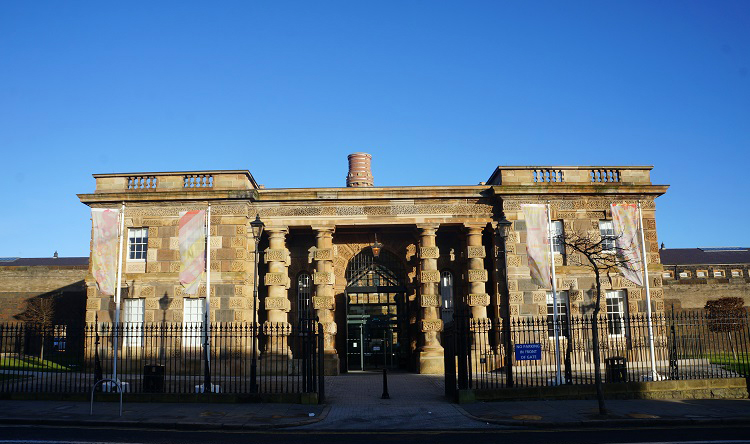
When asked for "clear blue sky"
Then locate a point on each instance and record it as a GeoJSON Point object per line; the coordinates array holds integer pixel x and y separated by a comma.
{"type": "Point", "coordinates": [439, 92]}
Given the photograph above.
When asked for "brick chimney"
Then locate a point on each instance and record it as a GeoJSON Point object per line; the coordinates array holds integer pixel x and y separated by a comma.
{"type": "Point", "coordinates": [360, 174]}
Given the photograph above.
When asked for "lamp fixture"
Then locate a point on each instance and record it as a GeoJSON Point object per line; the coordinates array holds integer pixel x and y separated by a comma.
{"type": "Point", "coordinates": [376, 247]}
{"type": "Point", "coordinates": [257, 226]}
{"type": "Point", "coordinates": [503, 225]}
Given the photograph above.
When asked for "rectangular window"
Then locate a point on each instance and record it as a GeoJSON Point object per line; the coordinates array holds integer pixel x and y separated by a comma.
{"type": "Point", "coordinates": [137, 244]}
{"type": "Point", "coordinates": [701, 273]}
{"type": "Point", "coordinates": [192, 322]}
{"type": "Point", "coordinates": [133, 323]}
{"type": "Point", "coordinates": [718, 273]}
{"type": "Point", "coordinates": [616, 305]}
{"type": "Point", "coordinates": [562, 313]}
{"type": "Point", "coordinates": [736, 273]}
{"type": "Point", "coordinates": [685, 274]}
{"type": "Point", "coordinates": [667, 275]}
{"type": "Point", "coordinates": [607, 232]}
{"type": "Point", "coordinates": [556, 232]}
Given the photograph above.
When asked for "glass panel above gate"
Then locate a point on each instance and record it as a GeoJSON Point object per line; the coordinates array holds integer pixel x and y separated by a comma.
{"type": "Point", "coordinates": [366, 270]}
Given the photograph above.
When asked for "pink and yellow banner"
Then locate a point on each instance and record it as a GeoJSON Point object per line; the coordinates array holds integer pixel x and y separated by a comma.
{"type": "Point", "coordinates": [626, 224]}
{"type": "Point", "coordinates": [192, 237]}
{"type": "Point", "coordinates": [537, 243]}
{"type": "Point", "coordinates": [104, 249]}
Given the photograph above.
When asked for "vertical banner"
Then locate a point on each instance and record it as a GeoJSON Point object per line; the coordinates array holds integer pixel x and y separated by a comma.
{"type": "Point", "coordinates": [626, 224]}
{"type": "Point", "coordinates": [537, 243]}
{"type": "Point", "coordinates": [192, 237]}
{"type": "Point", "coordinates": [104, 250]}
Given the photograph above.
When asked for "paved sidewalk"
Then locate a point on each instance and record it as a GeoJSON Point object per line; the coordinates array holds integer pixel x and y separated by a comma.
{"type": "Point", "coordinates": [636, 412]}
{"type": "Point", "coordinates": [161, 415]}
{"type": "Point", "coordinates": [354, 403]}
{"type": "Point", "coordinates": [416, 402]}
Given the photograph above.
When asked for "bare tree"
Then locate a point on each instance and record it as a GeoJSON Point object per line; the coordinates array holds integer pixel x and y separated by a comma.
{"type": "Point", "coordinates": [601, 255]}
{"type": "Point", "coordinates": [40, 312]}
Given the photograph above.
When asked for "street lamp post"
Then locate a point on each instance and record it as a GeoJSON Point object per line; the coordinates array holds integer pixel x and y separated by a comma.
{"type": "Point", "coordinates": [257, 227]}
{"type": "Point", "coordinates": [503, 225]}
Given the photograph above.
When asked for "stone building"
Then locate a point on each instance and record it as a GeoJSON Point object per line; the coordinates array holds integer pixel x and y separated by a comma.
{"type": "Point", "coordinates": [383, 268]}
{"type": "Point", "coordinates": [23, 280]}
{"type": "Point", "coordinates": [693, 276]}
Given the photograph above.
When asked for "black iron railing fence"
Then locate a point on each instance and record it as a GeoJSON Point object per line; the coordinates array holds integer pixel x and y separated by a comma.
{"type": "Point", "coordinates": [162, 358]}
{"type": "Point", "coordinates": [687, 345]}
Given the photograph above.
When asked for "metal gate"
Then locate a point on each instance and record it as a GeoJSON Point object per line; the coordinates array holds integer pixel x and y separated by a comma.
{"type": "Point", "coordinates": [456, 345]}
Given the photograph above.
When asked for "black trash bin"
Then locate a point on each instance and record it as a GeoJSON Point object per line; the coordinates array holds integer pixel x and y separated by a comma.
{"type": "Point", "coordinates": [616, 369]}
{"type": "Point", "coordinates": [153, 378]}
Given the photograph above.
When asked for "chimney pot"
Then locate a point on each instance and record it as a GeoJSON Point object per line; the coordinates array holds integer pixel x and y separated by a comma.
{"type": "Point", "coordinates": [360, 173]}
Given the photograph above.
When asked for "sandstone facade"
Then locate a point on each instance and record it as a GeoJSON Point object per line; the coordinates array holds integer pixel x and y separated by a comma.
{"type": "Point", "coordinates": [319, 242]}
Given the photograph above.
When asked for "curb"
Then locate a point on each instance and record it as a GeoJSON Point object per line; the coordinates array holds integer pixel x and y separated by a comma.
{"type": "Point", "coordinates": [178, 425]}
{"type": "Point", "coordinates": [605, 423]}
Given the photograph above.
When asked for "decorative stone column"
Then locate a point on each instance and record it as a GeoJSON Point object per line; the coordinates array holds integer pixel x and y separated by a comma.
{"type": "Point", "coordinates": [478, 299]}
{"type": "Point", "coordinates": [323, 300]}
{"type": "Point", "coordinates": [276, 303]}
{"type": "Point", "coordinates": [431, 352]}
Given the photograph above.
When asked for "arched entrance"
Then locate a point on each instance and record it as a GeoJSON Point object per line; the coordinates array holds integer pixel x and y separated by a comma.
{"type": "Point", "coordinates": [376, 318]}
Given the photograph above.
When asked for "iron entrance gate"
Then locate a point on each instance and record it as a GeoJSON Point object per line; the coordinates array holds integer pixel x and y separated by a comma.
{"type": "Point", "coordinates": [375, 312]}
{"type": "Point", "coordinates": [373, 331]}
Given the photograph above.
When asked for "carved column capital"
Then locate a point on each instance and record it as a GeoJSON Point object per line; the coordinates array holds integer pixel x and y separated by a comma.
{"type": "Point", "coordinates": [428, 229]}
{"type": "Point", "coordinates": [277, 231]}
{"type": "Point", "coordinates": [473, 228]}
{"type": "Point", "coordinates": [324, 231]}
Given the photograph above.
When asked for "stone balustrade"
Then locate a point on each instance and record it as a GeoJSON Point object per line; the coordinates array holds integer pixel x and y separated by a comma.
{"type": "Point", "coordinates": [175, 181]}
{"type": "Point", "coordinates": [577, 175]}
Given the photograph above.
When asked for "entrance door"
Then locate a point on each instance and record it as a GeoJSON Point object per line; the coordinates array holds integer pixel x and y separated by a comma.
{"type": "Point", "coordinates": [374, 331]}
{"type": "Point", "coordinates": [376, 321]}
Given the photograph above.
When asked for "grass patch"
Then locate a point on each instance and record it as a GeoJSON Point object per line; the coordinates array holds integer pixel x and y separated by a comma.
{"type": "Point", "coordinates": [30, 363]}
{"type": "Point", "coordinates": [740, 365]}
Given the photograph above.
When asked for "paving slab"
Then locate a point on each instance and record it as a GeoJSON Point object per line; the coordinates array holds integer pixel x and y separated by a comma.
{"type": "Point", "coordinates": [416, 402]}
{"type": "Point", "coordinates": [354, 402]}
{"type": "Point", "coordinates": [161, 415]}
{"type": "Point", "coordinates": [631, 411]}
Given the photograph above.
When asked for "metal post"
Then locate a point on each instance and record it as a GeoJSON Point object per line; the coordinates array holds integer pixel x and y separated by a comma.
{"type": "Point", "coordinates": [256, 343]}
{"type": "Point", "coordinates": [207, 377]}
{"type": "Point", "coordinates": [385, 394]}
{"type": "Point", "coordinates": [555, 317]}
{"type": "Point", "coordinates": [207, 366]}
{"type": "Point", "coordinates": [321, 366]}
{"type": "Point", "coordinates": [507, 342]}
{"type": "Point", "coordinates": [118, 292]}
{"type": "Point", "coordinates": [654, 376]}
{"type": "Point", "coordinates": [462, 331]}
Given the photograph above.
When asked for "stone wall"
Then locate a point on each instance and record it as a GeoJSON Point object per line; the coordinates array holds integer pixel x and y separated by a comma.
{"type": "Point", "coordinates": [157, 278]}
{"type": "Point", "coordinates": [20, 284]}
{"type": "Point", "coordinates": [692, 294]}
{"type": "Point", "coordinates": [729, 388]}
{"type": "Point", "coordinates": [580, 215]}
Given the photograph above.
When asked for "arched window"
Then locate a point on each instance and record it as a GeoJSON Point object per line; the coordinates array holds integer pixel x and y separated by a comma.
{"type": "Point", "coordinates": [446, 294]}
{"type": "Point", "coordinates": [304, 296]}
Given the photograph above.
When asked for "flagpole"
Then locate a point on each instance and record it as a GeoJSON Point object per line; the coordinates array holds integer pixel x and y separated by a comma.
{"type": "Point", "coordinates": [207, 387]}
{"type": "Point", "coordinates": [118, 290]}
{"type": "Point", "coordinates": [555, 323]}
{"type": "Point", "coordinates": [654, 375]}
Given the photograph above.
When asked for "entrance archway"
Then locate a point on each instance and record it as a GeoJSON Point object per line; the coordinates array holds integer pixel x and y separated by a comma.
{"type": "Point", "coordinates": [376, 312]}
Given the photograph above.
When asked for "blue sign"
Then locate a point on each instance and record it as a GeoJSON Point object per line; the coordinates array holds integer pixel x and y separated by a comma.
{"type": "Point", "coordinates": [528, 352]}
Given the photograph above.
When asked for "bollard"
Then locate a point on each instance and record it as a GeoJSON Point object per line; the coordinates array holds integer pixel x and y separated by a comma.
{"type": "Point", "coordinates": [385, 385]}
